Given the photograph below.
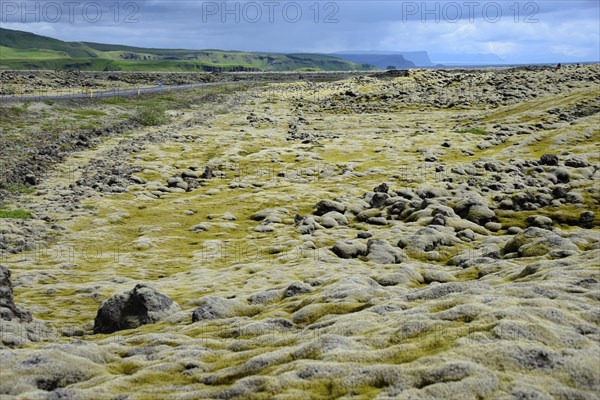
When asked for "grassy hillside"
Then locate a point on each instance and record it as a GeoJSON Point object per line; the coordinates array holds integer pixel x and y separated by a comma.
{"type": "Point", "coordinates": [29, 41]}
{"type": "Point", "coordinates": [24, 50]}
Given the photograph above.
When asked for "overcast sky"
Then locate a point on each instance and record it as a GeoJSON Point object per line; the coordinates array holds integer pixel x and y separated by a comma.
{"type": "Point", "coordinates": [516, 31]}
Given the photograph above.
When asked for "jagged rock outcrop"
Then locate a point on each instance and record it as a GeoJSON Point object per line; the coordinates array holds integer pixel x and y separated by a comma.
{"type": "Point", "coordinates": [140, 306]}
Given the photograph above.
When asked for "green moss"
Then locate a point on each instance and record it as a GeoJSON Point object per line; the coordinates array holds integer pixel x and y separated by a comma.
{"type": "Point", "coordinates": [87, 112]}
{"type": "Point", "coordinates": [469, 274]}
{"type": "Point", "coordinates": [16, 187]}
{"type": "Point", "coordinates": [313, 312]}
{"type": "Point", "coordinates": [474, 131]}
{"type": "Point", "coordinates": [328, 388]}
{"type": "Point", "coordinates": [444, 305]}
{"type": "Point", "coordinates": [15, 214]}
{"type": "Point", "coordinates": [115, 100]}
{"type": "Point", "coordinates": [153, 384]}
{"type": "Point", "coordinates": [566, 216]}
{"type": "Point", "coordinates": [125, 368]}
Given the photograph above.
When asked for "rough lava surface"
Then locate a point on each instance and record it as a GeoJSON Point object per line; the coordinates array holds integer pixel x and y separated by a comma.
{"type": "Point", "coordinates": [428, 236]}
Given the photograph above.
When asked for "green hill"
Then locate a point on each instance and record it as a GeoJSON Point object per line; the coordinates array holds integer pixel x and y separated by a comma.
{"type": "Point", "coordinates": [24, 50]}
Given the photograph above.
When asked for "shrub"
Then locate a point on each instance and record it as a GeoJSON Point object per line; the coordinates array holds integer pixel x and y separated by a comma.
{"type": "Point", "coordinates": [151, 115]}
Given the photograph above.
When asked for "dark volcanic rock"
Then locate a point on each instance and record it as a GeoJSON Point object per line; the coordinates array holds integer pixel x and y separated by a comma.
{"type": "Point", "coordinates": [349, 249]}
{"type": "Point", "coordinates": [381, 252]}
{"type": "Point", "coordinates": [549, 159]}
{"type": "Point", "coordinates": [475, 211]}
{"type": "Point", "coordinates": [297, 289]}
{"type": "Point", "coordinates": [325, 206]}
{"type": "Point", "coordinates": [8, 309]}
{"type": "Point", "coordinates": [586, 219]}
{"type": "Point", "coordinates": [382, 188]}
{"type": "Point", "coordinates": [378, 199]}
{"type": "Point", "coordinates": [577, 162]}
{"type": "Point", "coordinates": [31, 179]}
{"type": "Point", "coordinates": [140, 306]}
{"type": "Point", "coordinates": [207, 174]}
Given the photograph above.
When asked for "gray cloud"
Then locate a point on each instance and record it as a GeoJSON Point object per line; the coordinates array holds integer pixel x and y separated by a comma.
{"type": "Point", "coordinates": [517, 31]}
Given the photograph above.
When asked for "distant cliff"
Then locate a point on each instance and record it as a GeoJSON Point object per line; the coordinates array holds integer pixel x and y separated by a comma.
{"type": "Point", "coordinates": [383, 59]}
